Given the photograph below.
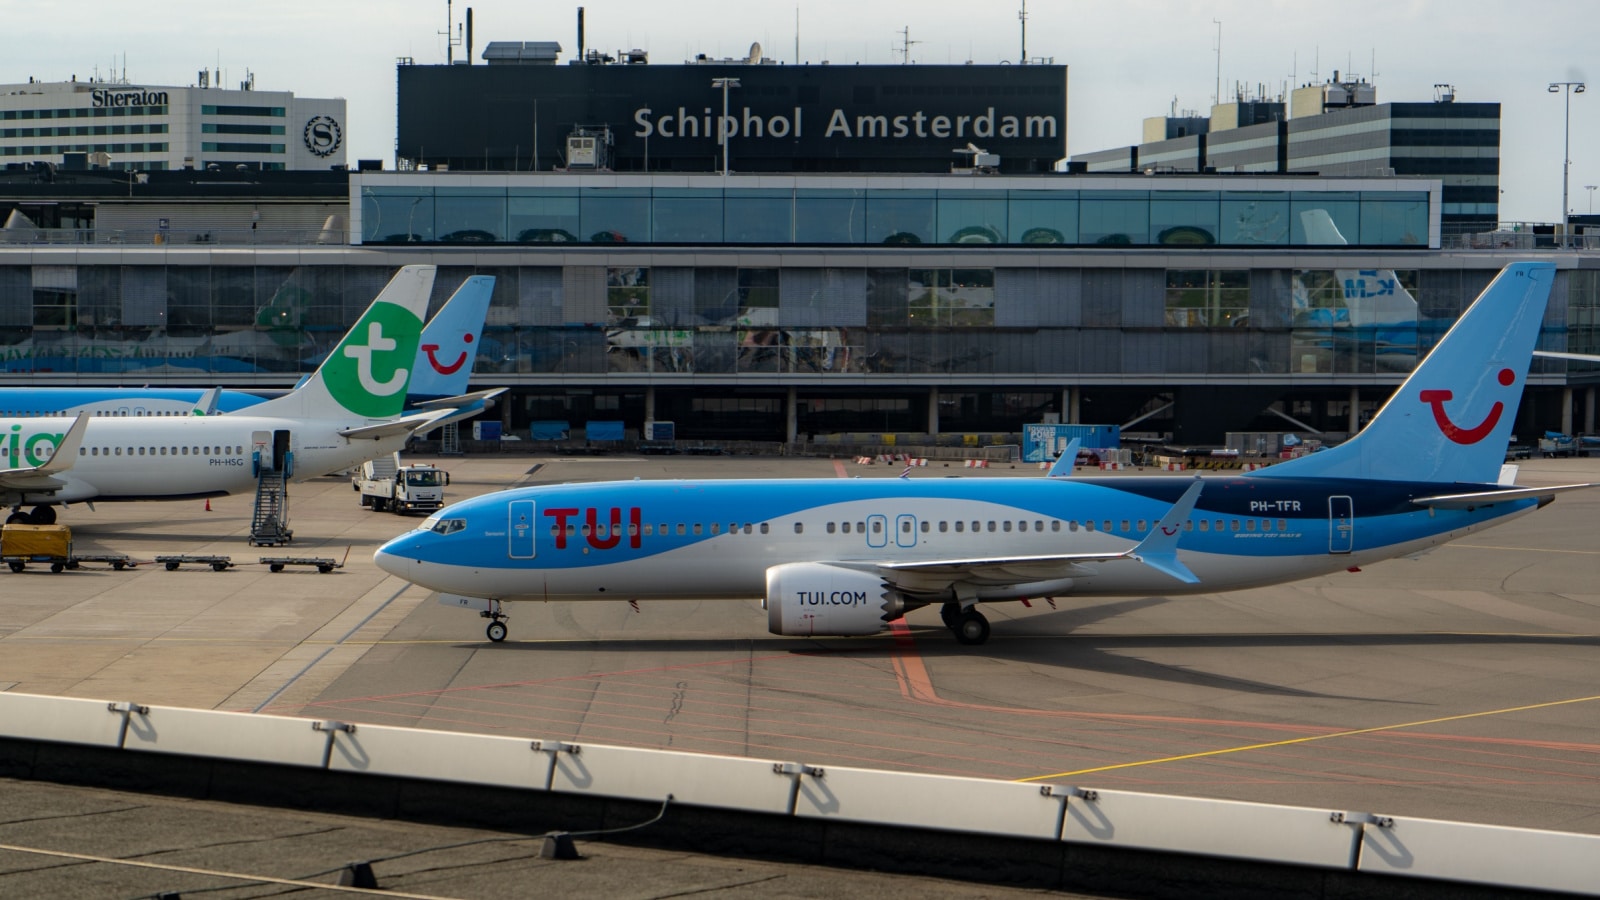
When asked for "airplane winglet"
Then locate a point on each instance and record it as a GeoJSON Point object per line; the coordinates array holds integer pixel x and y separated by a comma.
{"type": "Point", "coordinates": [1159, 550]}
{"type": "Point", "coordinates": [66, 452]}
{"type": "Point", "coordinates": [207, 404]}
{"type": "Point", "coordinates": [1065, 462]}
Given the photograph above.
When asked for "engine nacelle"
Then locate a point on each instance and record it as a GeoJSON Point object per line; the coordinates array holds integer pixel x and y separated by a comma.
{"type": "Point", "coordinates": [817, 598]}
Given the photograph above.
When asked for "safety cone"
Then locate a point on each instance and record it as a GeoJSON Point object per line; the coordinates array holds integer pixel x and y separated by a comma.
{"type": "Point", "coordinates": [208, 504]}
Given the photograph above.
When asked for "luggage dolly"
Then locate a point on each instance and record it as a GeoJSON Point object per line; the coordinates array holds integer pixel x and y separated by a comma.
{"type": "Point", "coordinates": [118, 561]}
{"type": "Point", "coordinates": [217, 563]}
{"type": "Point", "coordinates": [324, 564]}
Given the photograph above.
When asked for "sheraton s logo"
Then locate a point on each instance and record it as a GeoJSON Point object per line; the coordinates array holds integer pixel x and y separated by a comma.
{"type": "Point", "coordinates": [323, 135]}
{"type": "Point", "coordinates": [1436, 400]}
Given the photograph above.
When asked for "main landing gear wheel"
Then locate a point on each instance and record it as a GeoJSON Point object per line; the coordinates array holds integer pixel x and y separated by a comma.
{"type": "Point", "coordinates": [496, 631]}
{"type": "Point", "coordinates": [971, 628]}
{"type": "Point", "coordinates": [43, 515]}
{"type": "Point", "coordinates": [18, 518]}
{"type": "Point", "coordinates": [948, 613]}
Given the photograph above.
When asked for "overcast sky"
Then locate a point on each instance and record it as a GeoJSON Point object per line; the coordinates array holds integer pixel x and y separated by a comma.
{"type": "Point", "coordinates": [1127, 59]}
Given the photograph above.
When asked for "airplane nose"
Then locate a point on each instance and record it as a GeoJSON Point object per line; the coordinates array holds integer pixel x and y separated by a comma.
{"type": "Point", "coordinates": [391, 559]}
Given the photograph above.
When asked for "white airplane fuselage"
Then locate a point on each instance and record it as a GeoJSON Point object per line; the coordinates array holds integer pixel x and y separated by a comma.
{"type": "Point", "coordinates": [146, 458]}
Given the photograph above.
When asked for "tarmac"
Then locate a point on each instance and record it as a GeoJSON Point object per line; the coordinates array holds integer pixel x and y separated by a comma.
{"type": "Point", "coordinates": [1458, 685]}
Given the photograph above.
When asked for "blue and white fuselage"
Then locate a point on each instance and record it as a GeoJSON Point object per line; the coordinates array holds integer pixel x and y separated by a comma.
{"type": "Point", "coordinates": [847, 556]}
{"type": "Point", "coordinates": [665, 540]}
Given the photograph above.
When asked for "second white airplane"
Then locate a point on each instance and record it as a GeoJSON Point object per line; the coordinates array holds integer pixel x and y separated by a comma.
{"type": "Point", "coordinates": [349, 411]}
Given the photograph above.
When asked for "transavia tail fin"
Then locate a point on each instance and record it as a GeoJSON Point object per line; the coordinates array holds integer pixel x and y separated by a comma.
{"type": "Point", "coordinates": [365, 377]}
{"type": "Point", "coordinates": [1451, 419]}
{"type": "Point", "coordinates": [450, 342]}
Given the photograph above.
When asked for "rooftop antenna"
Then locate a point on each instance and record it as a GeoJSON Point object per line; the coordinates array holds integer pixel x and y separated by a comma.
{"type": "Point", "coordinates": [1023, 18]}
{"type": "Point", "coordinates": [905, 45]}
{"type": "Point", "coordinates": [797, 35]}
{"type": "Point", "coordinates": [451, 39]}
{"type": "Point", "coordinates": [1217, 98]}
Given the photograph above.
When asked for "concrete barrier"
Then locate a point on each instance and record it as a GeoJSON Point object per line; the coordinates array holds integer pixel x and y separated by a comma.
{"type": "Point", "coordinates": [237, 736]}
{"type": "Point", "coordinates": [62, 719]}
{"type": "Point", "coordinates": [1482, 854]}
{"type": "Point", "coordinates": [940, 802]}
{"type": "Point", "coordinates": [727, 782]}
{"type": "Point", "coordinates": [441, 756]}
{"type": "Point", "coordinates": [1256, 831]}
{"type": "Point", "coordinates": [803, 804]}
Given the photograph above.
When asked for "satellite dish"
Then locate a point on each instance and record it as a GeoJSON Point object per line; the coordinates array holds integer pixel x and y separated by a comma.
{"type": "Point", "coordinates": [755, 53]}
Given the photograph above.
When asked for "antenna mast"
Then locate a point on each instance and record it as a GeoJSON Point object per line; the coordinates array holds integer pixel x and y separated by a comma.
{"type": "Point", "coordinates": [905, 45]}
{"type": "Point", "coordinates": [1023, 18]}
{"type": "Point", "coordinates": [1218, 100]}
{"type": "Point", "coordinates": [451, 39]}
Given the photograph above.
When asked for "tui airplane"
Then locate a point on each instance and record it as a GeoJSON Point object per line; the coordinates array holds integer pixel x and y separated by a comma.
{"type": "Point", "coordinates": [848, 556]}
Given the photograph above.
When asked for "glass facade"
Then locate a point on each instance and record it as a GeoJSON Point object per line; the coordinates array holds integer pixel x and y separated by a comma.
{"type": "Point", "coordinates": [1025, 321]}
{"type": "Point", "coordinates": [431, 212]}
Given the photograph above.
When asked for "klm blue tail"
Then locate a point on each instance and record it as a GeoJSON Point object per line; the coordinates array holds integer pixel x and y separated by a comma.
{"type": "Point", "coordinates": [1451, 420]}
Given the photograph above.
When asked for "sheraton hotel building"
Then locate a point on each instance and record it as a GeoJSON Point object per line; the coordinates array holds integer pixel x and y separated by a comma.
{"type": "Point", "coordinates": [874, 249]}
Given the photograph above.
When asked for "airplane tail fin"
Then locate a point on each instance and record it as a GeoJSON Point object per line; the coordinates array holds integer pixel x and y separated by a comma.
{"type": "Point", "coordinates": [1451, 419]}
{"type": "Point", "coordinates": [366, 374]}
{"type": "Point", "coordinates": [450, 342]}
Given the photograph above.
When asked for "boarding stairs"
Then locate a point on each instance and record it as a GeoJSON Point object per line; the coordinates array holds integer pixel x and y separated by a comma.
{"type": "Point", "coordinates": [269, 527]}
{"type": "Point", "coordinates": [450, 439]}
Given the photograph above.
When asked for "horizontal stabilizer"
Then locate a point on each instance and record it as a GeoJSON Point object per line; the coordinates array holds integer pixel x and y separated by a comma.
{"type": "Point", "coordinates": [421, 421]}
{"type": "Point", "coordinates": [461, 399]}
{"type": "Point", "coordinates": [1476, 499]}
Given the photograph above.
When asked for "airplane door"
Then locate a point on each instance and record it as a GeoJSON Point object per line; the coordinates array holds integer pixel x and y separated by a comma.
{"type": "Point", "coordinates": [519, 529]}
{"type": "Point", "coordinates": [280, 451]}
{"type": "Point", "coordinates": [877, 531]}
{"type": "Point", "coordinates": [1341, 525]}
{"type": "Point", "coordinates": [905, 530]}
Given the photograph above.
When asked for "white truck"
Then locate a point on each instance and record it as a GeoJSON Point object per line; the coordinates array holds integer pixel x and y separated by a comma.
{"type": "Point", "coordinates": [386, 484]}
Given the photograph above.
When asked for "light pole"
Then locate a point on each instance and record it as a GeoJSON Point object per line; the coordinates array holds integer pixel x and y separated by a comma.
{"type": "Point", "coordinates": [1590, 188]}
{"type": "Point", "coordinates": [722, 124]}
{"type": "Point", "coordinates": [1568, 88]}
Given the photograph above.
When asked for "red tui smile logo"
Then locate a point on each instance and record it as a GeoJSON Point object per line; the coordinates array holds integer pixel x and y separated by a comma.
{"type": "Point", "coordinates": [442, 369]}
{"type": "Point", "coordinates": [1437, 400]}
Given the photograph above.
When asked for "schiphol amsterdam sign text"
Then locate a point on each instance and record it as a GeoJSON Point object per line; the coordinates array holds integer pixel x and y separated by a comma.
{"type": "Point", "coordinates": [681, 123]}
{"type": "Point", "coordinates": [128, 98]}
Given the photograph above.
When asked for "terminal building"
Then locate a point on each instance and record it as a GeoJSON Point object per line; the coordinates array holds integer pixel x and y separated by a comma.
{"type": "Point", "coordinates": [118, 125]}
{"type": "Point", "coordinates": [1337, 128]}
{"type": "Point", "coordinates": [804, 292]}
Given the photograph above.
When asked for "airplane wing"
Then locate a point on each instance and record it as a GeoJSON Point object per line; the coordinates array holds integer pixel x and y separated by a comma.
{"type": "Point", "coordinates": [1158, 550]}
{"type": "Point", "coordinates": [38, 478]}
{"type": "Point", "coordinates": [1473, 499]}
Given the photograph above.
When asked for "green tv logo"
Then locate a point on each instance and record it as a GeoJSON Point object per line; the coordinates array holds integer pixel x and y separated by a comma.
{"type": "Point", "coordinates": [369, 371]}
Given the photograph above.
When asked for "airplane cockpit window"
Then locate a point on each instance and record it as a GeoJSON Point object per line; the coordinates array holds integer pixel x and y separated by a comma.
{"type": "Point", "coordinates": [441, 525]}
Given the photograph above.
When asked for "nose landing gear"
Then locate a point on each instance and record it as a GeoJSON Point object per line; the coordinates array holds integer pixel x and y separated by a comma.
{"type": "Point", "coordinates": [497, 621]}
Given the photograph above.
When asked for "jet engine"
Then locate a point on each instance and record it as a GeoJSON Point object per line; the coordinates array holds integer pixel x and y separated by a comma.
{"type": "Point", "coordinates": [823, 599]}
